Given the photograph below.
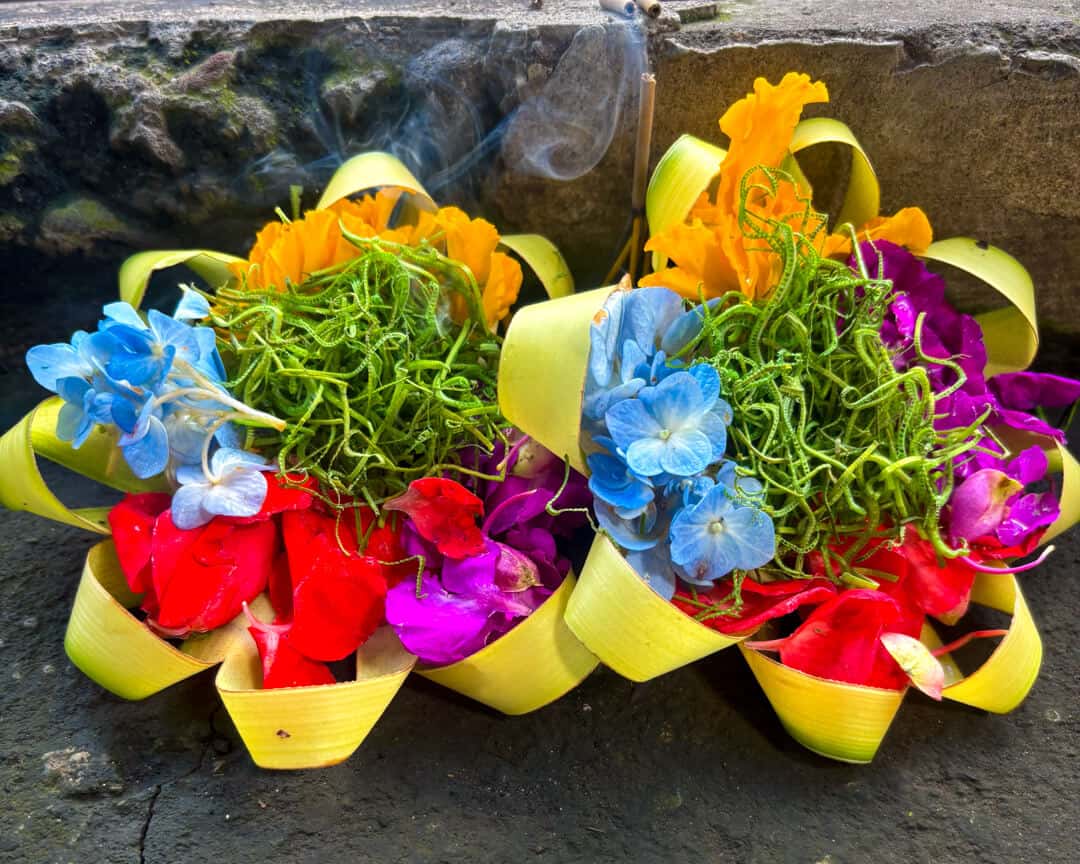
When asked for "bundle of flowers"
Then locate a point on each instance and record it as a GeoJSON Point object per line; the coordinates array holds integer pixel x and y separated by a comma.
{"type": "Point", "coordinates": [317, 471]}
{"type": "Point", "coordinates": [796, 442]}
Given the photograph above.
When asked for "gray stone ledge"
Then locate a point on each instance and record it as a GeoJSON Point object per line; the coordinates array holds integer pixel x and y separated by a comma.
{"type": "Point", "coordinates": [180, 123]}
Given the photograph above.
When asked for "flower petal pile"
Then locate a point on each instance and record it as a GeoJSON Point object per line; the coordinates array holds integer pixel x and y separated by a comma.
{"type": "Point", "coordinates": [477, 581]}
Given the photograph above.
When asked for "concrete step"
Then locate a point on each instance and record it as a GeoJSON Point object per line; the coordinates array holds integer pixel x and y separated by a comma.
{"type": "Point", "coordinates": [124, 125]}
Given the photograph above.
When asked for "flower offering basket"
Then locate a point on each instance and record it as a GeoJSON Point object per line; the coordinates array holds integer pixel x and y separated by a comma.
{"type": "Point", "coordinates": [640, 635]}
{"type": "Point", "coordinates": [289, 727]}
{"type": "Point", "coordinates": [552, 626]}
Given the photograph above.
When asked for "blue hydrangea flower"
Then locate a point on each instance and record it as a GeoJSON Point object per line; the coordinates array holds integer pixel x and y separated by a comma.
{"type": "Point", "coordinates": [686, 328]}
{"type": "Point", "coordinates": [689, 490]}
{"type": "Point", "coordinates": [720, 534]}
{"type": "Point", "coordinates": [650, 312]}
{"type": "Point", "coordinates": [624, 384]}
{"type": "Point", "coordinates": [187, 428]}
{"type": "Point", "coordinates": [84, 408]}
{"type": "Point", "coordinates": [146, 445]}
{"type": "Point", "coordinates": [635, 534]}
{"type": "Point", "coordinates": [193, 306]}
{"type": "Point", "coordinates": [654, 566]}
{"type": "Point", "coordinates": [49, 363]}
{"type": "Point", "coordinates": [144, 351]}
{"type": "Point", "coordinates": [659, 369]}
{"type": "Point", "coordinates": [611, 481]}
{"type": "Point", "coordinates": [672, 427]}
{"type": "Point", "coordinates": [627, 333]}
{"type": "Point", "coordinates": [747, 488]}
{"type": "Point", "coordinates": [158, 380]}
{"type": "Point", "coordinates": [236, 486]}
{"type": "Point", "coordinates": [606, 342]}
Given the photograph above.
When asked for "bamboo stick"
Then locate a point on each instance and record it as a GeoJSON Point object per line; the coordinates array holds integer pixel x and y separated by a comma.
{"type": "Point", "coordinates": [646, 108]}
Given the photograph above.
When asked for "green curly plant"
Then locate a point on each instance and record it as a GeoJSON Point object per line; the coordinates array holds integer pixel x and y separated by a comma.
{"type": "Point", "coordinates": [383, 368]}
{"type": "Point", "coordinates": [843, 443]}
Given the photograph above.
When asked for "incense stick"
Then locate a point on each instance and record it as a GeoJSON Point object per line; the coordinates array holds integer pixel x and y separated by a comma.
{"type": "Point", "coordinates": [646, 107]}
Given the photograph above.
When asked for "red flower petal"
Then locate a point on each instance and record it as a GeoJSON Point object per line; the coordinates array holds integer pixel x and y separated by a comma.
{"type": "Point", "coordinates": [761, 601]}
{"type": "Point", "coordinates": [203, 577]}
{"type": "Point", "coordinates": [337, 597]}
{"type": "Point", "coordinates": [384, 545]}
{"type": "Point", "coordinates": [991, 549]}
{"type": "Point", "coordinates": [132, 523]}
{"type": "Point", "coordinates": [282, 664]}
{"type": "Point", "coordinates": [921, 585]}
{"type": "Point", "coordinates": [841, 641]}
{"type": "Point", "coordinates": [281, 586]}
{"type": "Point", "coordinates": [444, 513]}
{"type": "Point", "coordinates": [941, 590]}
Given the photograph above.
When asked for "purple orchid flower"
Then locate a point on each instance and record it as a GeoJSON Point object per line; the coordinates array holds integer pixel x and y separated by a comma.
{"type": "Point", "coordinates": [989, 499]}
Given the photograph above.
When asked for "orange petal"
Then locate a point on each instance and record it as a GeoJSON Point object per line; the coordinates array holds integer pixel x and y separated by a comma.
{"type": "Point", "coordinates": [761, 124]}
{"type": "Point", "coordinates": [760, 127]}
{"type": "Point", "coordinates": [908, 227]}
{"type": "Point", "coordinates": [470, 241]}
{"type": "Point", "coordinates": [700, 258]}
{"type": "Point", "coordinates": [502, 287]}
{"type": "Point", "coordinates": [715, 254]}
{"type": "Point", "coordinates": [376, 210]}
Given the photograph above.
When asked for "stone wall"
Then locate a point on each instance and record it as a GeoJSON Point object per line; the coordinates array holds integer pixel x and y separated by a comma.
{"type": "Point", "coordinates": [125, 126]}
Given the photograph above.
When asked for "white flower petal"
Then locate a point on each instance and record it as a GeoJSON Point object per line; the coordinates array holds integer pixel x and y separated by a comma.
{"type": "Point", "coordinates": [227, 458]}
{"type": "Point", "coordinates": [192, 475]}
{"type": "Point", "coordinates": [187, 509]}
{"type": "Point", "coordinates": [239, 493]}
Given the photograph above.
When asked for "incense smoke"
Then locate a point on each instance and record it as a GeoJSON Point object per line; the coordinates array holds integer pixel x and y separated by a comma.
{"type": "Point", "coordinates": [445, 117]}
{"type": "Point", "coordinates": [565, 131]}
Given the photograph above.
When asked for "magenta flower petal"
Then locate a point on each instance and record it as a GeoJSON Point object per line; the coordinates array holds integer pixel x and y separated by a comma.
{"type": "Point", "coordinates": [1028, 423]}
{"type": "Point", "coordinates": [516, 510]}
{"type": "Point", "coordinates": [1029, 466]}
{"type": "Point", "coordinates": [1028, 514]}
{"type": "Point", "coordinates": [537, 543]}
{"type": "Point", "coordinates": [1026, 391]}
{"type": "Point", "coordinates": [469, 601]}
{"type": "Point", "coordinates": [980, 504]}
{"type": "Point", "coordinates": [438, 627]}
{"type": "Point", "coordinates": [473, 576]}
{"type": "Point", "coordinates": [515, 571]}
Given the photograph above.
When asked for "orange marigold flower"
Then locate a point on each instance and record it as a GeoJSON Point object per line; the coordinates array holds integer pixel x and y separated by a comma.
{"type": "Point", "coordinates": [712, 256]}
{"type": "Point", "coordinates": [502, 287]}
{"type": "Point", "coordinates": [470, 241]}
{"type": "Point", "coordinates": [473, 243]}
{"type": "Point", "coordinates": [289, 252]}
